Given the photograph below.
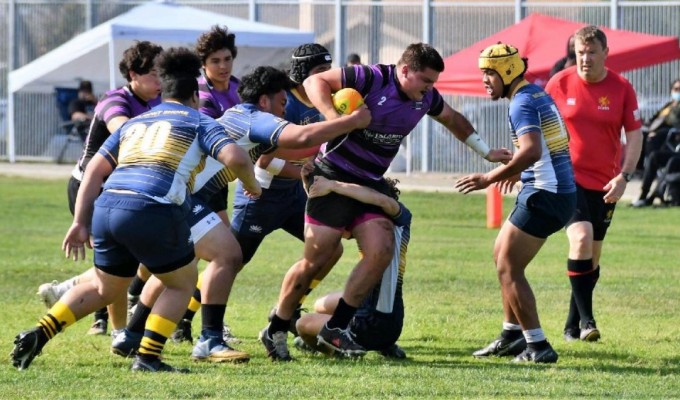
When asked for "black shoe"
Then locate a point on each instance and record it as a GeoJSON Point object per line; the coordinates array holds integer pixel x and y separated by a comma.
{"type": "Point", "coordinates": [394, 352]}
{"type": "Point", "coordinates": [544, 356]}
{"type": "Point", "coordinates": [276, 346]}
{"type": "Point", "coordinates": [590, 333]}
{"type": "Point", "coordinates": [572, 334]}
{"type": "Point", "coordinates": [183, 332]}
{"type": "Point", "coordinates": [155, 365]}
{"type": "Point", "coordinates": [341, 341]}
{"type": "Point", "coordinates": [26, 347]}
{"type": "Point", "coordinates": [502, 347]}
{"type": "Point", "coordinates": [293, 320]}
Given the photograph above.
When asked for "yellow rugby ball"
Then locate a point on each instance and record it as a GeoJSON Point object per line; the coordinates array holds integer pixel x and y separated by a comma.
{"type": "Point", "coordinates": [347, 100]}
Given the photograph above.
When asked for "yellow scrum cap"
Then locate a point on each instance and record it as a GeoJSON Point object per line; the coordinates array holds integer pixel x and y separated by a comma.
{"type": "Point", "coordinates": [504, 59]}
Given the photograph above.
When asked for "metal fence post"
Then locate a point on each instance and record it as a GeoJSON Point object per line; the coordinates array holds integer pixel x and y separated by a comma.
{"type": "Point", "coordinates": [11, 59]}
{"type": "Point", "coordinates": [425, 150]}
{"type": "Point", "coordinates": [614, 14]}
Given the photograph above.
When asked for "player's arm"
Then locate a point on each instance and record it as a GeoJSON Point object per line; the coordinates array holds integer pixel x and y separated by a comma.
{"type": "Point", "coordinates": [78, 234]}
{"type": "Point", "coordinates": [530, 150]}
{"type": "Point", "coordinates": [116, 122]}
{"type": "Point", "coordinates": [633, 150]}
{"type": "Point", "coordinates": [463, 130]}
{"type": "Point", "coordinates": [322, 186]}
{"type": "Point", "coordinates": [268, 166]}
{"type": "Point", "coordinates": [304, 136]}
{"type": "Point", "coordinates": [239, 162]}
{"type": "Point", "coordinates": [319, 88]}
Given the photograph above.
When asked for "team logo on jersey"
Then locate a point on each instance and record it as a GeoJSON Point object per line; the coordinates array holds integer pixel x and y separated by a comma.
{"type": "Point", "coordinates": [255, 229]}
{"type": "Point", "coordinates": [571, 101]}
{"type": "Point", "coordinates": [603, 103]}
{"type": "Point", "coordinates": [197, 209]}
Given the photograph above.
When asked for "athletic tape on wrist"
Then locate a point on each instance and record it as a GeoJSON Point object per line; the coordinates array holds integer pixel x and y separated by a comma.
{"type": "Point", "coordinates": [476, 143]}
{"type": "Point", "coordinates": [275, 166]}
{"type": "Point", "coordinates": [263, 177]}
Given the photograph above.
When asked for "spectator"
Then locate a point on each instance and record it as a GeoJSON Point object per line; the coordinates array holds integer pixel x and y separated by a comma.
{"type": "Point", "coordinates": [353, 59]}
{"type": "Point", "coordinates": [656, 155]}
{"type": "Point", "coordinates": [568, 60]}
{"type": "Point", "coordinates": [81, 109]}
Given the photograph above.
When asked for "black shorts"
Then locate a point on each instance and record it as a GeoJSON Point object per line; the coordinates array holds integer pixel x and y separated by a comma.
{"type": "Point", "coordinates": [72, 192]}
{"type": "Point", "coordinates": [338, 211]}
{"type": "Point", "coordinates": [376, 331]}
{"type": "Point", "coordinates": [590, 207]}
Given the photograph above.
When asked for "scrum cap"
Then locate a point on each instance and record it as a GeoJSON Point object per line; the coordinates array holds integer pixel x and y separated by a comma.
{"type": "Point", "coordinates": [306, 57]}
{"type": "Point", "coordinates": [504, 59]}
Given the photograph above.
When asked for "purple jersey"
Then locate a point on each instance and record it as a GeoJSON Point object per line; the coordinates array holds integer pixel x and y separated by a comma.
{"type": "Point", "coordinates": [367, 153]}
{"type": "Point", "coordinates": [121, 102]}
{"type": "Point", "coordinates": [213, 102]}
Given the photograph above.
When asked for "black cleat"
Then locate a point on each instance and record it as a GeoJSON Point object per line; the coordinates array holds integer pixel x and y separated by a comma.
{"type": "Point", "coordinates": [293, 321]}
{"type": "Point", "coordinates": [276, 346]}
{"type": "Point", "coordinates": [543, 356]}
{"type": "Point", "coordinates": [183, 332]}
{"type": "Point", "coordinates": [341, 341]}
{"type": "Point", "coordinates": [572, 334]}
{"type": "Point", "coordinates": [155, 365]}
{"type": "Point", "coordinates": [502, 347]}
{"type": "Point", "coordinates": [394, 352]}
{"type": "Point", "coordinates": [26, 347]}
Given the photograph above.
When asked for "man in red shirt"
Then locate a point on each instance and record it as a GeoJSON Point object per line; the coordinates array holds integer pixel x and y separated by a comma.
{"type": "Point", "coordinates": [596, 105]}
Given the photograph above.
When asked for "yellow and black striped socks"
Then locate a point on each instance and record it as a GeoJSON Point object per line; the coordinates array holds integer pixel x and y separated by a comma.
{"type": "Point", "coordinates": [57, 318]}
{"type": "Point", "coordinates": [156, 333]}
{"type": "Point", "coordinates": [312, 286]}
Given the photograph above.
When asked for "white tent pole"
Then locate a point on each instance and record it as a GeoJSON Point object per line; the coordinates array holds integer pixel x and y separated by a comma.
{"type": "Point", "coordinates": [11, 37]}
{"type": "Point", "coordinates": [112, 61]}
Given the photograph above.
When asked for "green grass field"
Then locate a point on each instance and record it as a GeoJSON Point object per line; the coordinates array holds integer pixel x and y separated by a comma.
{"type": "Point", "coordinates": [453, 307]}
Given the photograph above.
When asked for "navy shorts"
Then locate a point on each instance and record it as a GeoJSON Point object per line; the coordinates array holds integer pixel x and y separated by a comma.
{"type": "Point", "coordinates": [590, 207]}
{"type": "Point", "coordinates": [130, 229]}
{"type": "Point", "coordinates": [277, 208]}
{"type": "Point", "coordinates": [541, 213]}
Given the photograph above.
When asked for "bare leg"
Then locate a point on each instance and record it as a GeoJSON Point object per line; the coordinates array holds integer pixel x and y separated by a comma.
{"type": "Point", "coordinates": [513, 253]}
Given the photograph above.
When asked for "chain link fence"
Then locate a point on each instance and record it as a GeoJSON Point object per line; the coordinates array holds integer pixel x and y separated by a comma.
{"type": "Point", "coordinates": [376, 30]}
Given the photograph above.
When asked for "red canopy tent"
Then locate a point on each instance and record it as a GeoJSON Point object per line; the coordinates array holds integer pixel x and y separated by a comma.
{"type": "Point", "coordinates": [543, 40]}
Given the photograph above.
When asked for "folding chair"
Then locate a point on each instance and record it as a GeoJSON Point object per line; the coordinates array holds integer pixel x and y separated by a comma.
{"type": "Point", "coordinates": [70, 129]}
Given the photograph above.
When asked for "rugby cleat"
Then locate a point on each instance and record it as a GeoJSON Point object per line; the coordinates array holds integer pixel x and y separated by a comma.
{"type": "Point", "coordinates": [276, 346]}
{"type": "Point", "coordinates": [590, 333]}
{"type": "Point", "coordinates": [341, 341]}
{"type": "Point", "coordinates": [217, 351]}
{"type": "Point", "coordinates": [155, 365]}
{"type": "Point", "coordinates": [26, 347]}
{"type": "Point", "coordinates": [50, 293]}
{"type": "Point", "coordinates": [98, 327]}
{"type": "Point", "coordinates": [126, 344]}
{"type": "Point", "coordinates": [183, 332]}
{"type": "Point", "coordinates": [502, 347]}
{"type": "Point", "coordinates": [546, 355]}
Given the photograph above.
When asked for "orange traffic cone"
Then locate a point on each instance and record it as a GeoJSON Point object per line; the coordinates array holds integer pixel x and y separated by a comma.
{"type": "Point", "coordinates": [494, 207]}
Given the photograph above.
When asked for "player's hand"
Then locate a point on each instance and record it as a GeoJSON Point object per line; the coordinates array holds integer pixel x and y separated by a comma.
{"type": "Point", "coordinates": [361, 117]}
{"type": "Point", "coordinates": [472, 182]}
{"type": "Point", "coordinates": [75, 241]}
{"type": "Point", "coordinates": [306, 169]}
{"type": "Point", "coordinates": [507, 185]}
{"type": "Point", "coordinates": [320, 187]}
{"type": "Point", "coordinates": [614, 189]}
{"type": "Point", "coordinates": [253, 191]}
{"type": "Point", "coordinates": [502, 155]}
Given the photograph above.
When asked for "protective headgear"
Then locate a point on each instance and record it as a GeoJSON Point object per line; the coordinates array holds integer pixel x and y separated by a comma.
{"type": "Point", "coordinates": [504, 59]}
{"type": "Point", "coordinates": [306, 57]}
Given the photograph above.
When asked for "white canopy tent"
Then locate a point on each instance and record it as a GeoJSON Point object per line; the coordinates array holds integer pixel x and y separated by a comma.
{"type": "Point", "coordinates": [94, 55]}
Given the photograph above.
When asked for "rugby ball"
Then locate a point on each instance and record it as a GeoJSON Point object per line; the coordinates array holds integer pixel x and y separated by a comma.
{"type": "Point", "coordinates": [347, 100]}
